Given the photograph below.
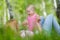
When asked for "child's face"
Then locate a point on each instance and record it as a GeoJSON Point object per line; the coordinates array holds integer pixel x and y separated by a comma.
{"type": "Point", "coordinates": [30, 10]}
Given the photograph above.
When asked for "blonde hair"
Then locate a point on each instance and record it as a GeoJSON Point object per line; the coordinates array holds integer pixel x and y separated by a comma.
{"type": "Point", "coordinates": [31, 7]}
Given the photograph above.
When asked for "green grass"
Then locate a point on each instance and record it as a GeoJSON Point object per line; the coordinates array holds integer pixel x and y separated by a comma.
{"type": "Point", "coordinates": [8, 34]}
{"type": "Point", "coordinates": [19, 8]}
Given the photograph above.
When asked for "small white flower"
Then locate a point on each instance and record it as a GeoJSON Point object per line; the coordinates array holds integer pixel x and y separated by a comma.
{"type": "Point", "coordinates": [22, 34]}
{"type": "Point", "coordinates": [30, 33]}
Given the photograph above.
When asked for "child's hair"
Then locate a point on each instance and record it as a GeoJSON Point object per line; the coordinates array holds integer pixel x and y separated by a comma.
{"type": "Point", "coordinates": [13, 24]}
{"type": "Point", "coordinates": [31, 6]}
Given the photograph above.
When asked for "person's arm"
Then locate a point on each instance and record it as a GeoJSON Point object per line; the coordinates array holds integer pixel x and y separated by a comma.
{"type": "Point", "coordinates": [25, 22]}
{"type": "Point", "coordinates": [38, 18]}
{"type": "Point", "coordinates": [38, 23]}
{"type": "Point", "coordinates": [39, 27]}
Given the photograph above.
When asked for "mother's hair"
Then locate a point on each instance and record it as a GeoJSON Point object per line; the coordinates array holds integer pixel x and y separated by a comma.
{"type": "Point", "coordinates": [58, 13]}
{"type": "Point", "coordinates": [58, 9]}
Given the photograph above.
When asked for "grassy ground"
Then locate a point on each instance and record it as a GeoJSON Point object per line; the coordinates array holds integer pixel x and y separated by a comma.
{"type": "Point", "coordinates": [19, 8]}
{"type": "Point", "coordinates": [8, 34]}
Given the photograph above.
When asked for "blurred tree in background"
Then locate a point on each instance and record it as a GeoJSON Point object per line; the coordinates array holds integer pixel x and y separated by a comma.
{"type": "Point", "coordinates": [1, 10]}
{"type": "Point", "coordinates": [42, 7]}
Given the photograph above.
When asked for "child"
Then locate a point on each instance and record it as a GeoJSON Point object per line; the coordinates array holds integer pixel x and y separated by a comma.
{"type": "Point", "coordinates": [33, 19]}
{"type": "Point", "coordinates": [12, 24]}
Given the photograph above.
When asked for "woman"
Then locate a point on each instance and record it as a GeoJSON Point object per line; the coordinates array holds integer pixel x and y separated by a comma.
{"type": "Point", "coordinates": [49, 20]}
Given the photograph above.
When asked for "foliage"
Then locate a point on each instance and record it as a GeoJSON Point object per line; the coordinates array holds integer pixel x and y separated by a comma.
{"type": "Point", "coordinates": [19, 11]}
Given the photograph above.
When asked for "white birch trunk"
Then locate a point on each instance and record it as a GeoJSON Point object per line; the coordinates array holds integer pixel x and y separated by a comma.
{"type": "Point", "coordinates": [4, 17]}
{"type": "Point", "coordinates": [44, 12]}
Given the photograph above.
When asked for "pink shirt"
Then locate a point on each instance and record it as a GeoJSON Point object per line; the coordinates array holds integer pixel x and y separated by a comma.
{"type": "Point", "coordinates": [31, 21]}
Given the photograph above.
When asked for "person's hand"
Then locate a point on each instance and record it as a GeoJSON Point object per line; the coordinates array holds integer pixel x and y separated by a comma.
{"type": "Point", "coordinates": [25, 23]}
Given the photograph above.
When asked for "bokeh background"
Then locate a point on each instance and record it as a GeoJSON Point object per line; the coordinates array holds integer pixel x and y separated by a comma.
{"type": "Point", "coordinates": [42, 7]}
